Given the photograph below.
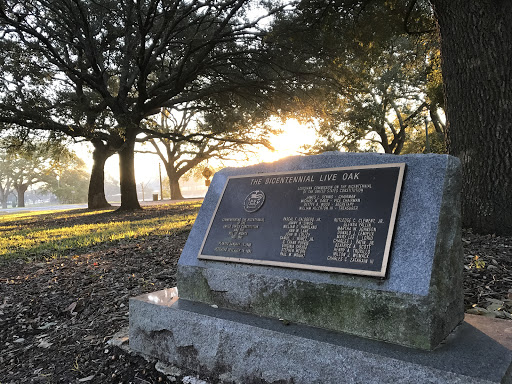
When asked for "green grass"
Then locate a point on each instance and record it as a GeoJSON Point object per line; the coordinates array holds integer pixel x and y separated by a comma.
{"type": "Point", "coordinates": [43, 235]}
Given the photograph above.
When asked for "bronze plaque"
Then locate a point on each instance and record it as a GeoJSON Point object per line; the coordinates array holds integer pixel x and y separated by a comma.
{"type": "Point", "coordinates": [335, 220]}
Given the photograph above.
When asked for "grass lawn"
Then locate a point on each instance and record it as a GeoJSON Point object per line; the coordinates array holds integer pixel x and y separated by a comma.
{"type": "Point", "coordinates": [47, 235]}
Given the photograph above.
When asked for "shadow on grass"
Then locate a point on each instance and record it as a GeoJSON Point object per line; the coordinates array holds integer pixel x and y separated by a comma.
{"type": "Point", "coordinates": [45, 235]}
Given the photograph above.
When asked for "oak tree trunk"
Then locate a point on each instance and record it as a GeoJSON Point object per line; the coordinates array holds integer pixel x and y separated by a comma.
{"type": "Point", "coordinates": [174, 186]}
{"type": "Point", "coordinates": [96, 196]}
{"type": "Point", "coordinates": [477, 75]}
{"type": "Point", "coordinates": [129, 200]}
{"type": "Point", "coordinates": [20, 191]}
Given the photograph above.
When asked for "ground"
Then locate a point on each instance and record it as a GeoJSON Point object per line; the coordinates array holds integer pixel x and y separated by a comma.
{"type": "Point", "coordinates": [58, 317]}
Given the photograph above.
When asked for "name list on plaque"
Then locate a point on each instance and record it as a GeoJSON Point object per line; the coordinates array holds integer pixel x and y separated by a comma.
{"type": "Point", "coordinates": [336, 219]}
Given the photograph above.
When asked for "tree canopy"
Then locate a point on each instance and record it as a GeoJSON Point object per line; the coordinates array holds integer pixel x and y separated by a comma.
{"type": "Point", "coordinates": [232, 127]}
{"type": "Point", "coordinates": [90, 69]}
{"type": "Point", "coordinates": [119, 62]}
{"type": "Point", "coordinates": [374, 81]}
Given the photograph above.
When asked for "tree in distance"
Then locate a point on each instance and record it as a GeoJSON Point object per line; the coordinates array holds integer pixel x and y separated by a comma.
{"type": "Point", "coordinates": [129, 59]}
{"type": "Point", "coordinates": [33, 162]}
{"type": "Point", "coordinates": [69, 181]}
{"type": "Point", "coordinates": [6, 180]}
{"type": "Point", "coordinates": [228, 131]}
{"type": "Point", "coordinates": [144, 185]}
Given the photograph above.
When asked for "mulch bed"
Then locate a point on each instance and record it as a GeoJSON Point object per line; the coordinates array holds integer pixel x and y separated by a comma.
{"type": "Point", "coordinates": [488, 275]}
{"type": "Point", "coordinates": [57, 317]}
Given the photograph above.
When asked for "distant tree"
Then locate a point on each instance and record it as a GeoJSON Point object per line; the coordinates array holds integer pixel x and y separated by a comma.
{"type": "Point", "coordinates": [28, 168]}
{"type": "Point", "coordinates": [420, 141]}
{"type": "Point", "coordinates": [24, 174]}
{"type": "Point", "coordinates": [6, 181]}
{"type": "Point", "coordinates": [31, 162]}
{"type": "Point", "coordinates": [229, 130]}
{"type": "Point", "coordinates": [69, 180]}
{"type": "Point", "coordinates": [129, 60]}
{"type": "Point", "coordinates": [194, 175]}
{"type": "Point", "coordinates": [144, 188]}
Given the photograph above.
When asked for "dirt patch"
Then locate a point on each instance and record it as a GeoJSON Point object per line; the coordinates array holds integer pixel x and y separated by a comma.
{"type": "Point", "coordinates": [57, 317]}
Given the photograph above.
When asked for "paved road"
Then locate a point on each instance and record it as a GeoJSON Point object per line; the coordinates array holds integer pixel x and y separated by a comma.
{"type": "Point", "coordinates": [80, 206]}
{"type": "Point", "coordinates": [42, 208]}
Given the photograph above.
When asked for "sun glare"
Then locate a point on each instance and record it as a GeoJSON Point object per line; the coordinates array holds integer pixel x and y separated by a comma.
{"type": "Point", "coordinates": [289, 143]}
{"type": "Point", "coordinates": [294, 135]}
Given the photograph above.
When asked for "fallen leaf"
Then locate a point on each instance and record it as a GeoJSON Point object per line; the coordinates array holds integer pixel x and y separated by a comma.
{"type": "Point", "coordinates": [88, 378]}
{"type": "Point", "coordinates": [477, 311]}
{"type": "Point", "coordinates": [71, 307]}
{"type": "Point", "coordinates": [47, 325]}
{"type": "Point", "coordinates": [44, 344]}
{"type": "Point", "coordinates": [5, 305]}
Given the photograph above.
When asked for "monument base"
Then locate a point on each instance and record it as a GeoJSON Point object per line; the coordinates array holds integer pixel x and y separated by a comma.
{"type": "Point", "coordinates": [233, 347]}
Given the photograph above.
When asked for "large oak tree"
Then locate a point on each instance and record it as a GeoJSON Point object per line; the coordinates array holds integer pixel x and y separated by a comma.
{"type": "Point", "coordinates": [129, 59]}
{"type": "Point", "coordinates": [477, 73]}
{"type": "Point", "coordinates": [476, 65]}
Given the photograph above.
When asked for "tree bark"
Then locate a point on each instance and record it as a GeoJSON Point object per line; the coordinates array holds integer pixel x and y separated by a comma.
{"type": "Point", "coordinates": [174, 187]}
{"type": "Point", "coordinates": [20, 191]}
{"type": "Point", "coordinates": [4, 195]}
{"type": "Point", "coordinates": [174, 177]}
{"type": "Point", "coordinates": [477, 76]}
{"type": "Point", "coordinates": [129, 200]}
{"type": "Point", "coordinates": [96, 195]}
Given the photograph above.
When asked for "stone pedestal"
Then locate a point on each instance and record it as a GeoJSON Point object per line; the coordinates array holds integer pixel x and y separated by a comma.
{"type": "Point", "coordinates": [232, 347]}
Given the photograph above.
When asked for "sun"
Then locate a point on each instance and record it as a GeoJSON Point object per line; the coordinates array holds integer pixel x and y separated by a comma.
{"type": "Point", "coordinates": [289, 143]}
